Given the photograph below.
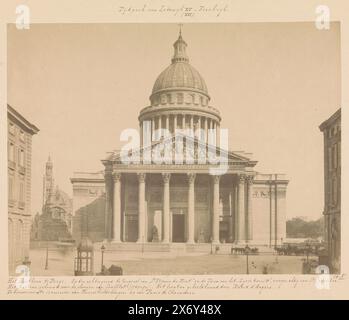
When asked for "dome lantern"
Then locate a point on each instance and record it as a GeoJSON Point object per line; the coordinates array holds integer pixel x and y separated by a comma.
{"type": "Point", "coordinates": [180, 54]}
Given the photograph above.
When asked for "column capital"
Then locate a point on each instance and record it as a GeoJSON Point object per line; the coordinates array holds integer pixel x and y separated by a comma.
{"type": "Point", "coordinates": [141, 176]}
{"type": "Point", "coordinates": [166, 177]}
{"type": "Point", "coordinates": [216, 178]}
{"type": "Point", "coordinates": [191, 177]}
{"type": "Point", "coordinates": [241, 178]}
{"type": "Point", "coordinates": [249, 179]}
{"type": "Point", "coordinates": [117, 176]}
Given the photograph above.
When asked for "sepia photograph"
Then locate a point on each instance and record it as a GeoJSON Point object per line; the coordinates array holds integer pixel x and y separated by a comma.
{"type": "Point", "coordinates": [174, 148]}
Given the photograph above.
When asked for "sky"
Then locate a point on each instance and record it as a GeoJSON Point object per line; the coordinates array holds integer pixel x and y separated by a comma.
{"type": "Point", "coordinates": [274, 83]}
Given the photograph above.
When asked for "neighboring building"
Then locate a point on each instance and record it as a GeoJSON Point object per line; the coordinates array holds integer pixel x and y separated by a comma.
{"type": "Point", "coordinates": [88, 206]}
{"type": "Point", "coordinates": [149, 201]}
{"type": "Point", "coordinates": [331, 129]}
{"type": "Point", "coordinates": [55, 222]}
{"type": "Point", "coordinates": [20, 132]}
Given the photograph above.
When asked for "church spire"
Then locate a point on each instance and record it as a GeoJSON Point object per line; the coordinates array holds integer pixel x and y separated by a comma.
{"type": "Point", "coordinates": [180, 46]}
{"type": "Point", "coordinates": [48, 181]}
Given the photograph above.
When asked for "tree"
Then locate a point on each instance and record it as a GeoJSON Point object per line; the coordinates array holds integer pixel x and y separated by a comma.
{"type": "Point", "coordinates": [299, 228]}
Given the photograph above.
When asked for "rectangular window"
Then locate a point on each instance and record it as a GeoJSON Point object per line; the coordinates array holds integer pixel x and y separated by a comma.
{"type": "Point", "coordinates": [11, 152]}
{"type": "Point", "coordinates": [10, 188]}
{"type": "Point", "coordinates": [21, 192]}
{"type": "Point", "coordinates": [329, 158]}
{"type": "Point", "coordinates": [334, 199]}
{"type": "Point", "coordinates": [11, 128]}
{"type": "Point", "coordinates": [22, 136]}
{"type": "Point", "coordinates": [334, 152]}
{"type": "Point", "coordinates": [21, 157]}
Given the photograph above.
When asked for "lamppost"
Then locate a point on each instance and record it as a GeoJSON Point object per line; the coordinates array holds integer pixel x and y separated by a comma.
{"type": "Point", "coordinates": [46, 262]}
{"type": "Point", "coordinates": [142, 246]}
{"type": "Point", "coordinates": [307, 251]}
{"type": "Point", "coordinates": [102, 251]}
{"type": "Point", "coordinates": [247, 251]}
{"type": "Point", "coordinates": [276, 257]}
{"type": "Point", "coordinates": [211, 245]}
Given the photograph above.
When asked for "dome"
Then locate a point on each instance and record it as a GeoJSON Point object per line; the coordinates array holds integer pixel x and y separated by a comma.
{"type": "Point", "coordinates": [180, 74]}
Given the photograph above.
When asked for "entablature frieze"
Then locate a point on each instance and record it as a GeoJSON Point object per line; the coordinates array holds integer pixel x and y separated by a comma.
{"type": "Point", "coordinates": [151, 112]}
{"type": "Point", "coordinates": [195, 168]}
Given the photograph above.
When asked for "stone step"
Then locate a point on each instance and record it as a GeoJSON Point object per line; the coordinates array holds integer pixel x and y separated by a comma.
{"type": "Point", "coordinates": [224, 248]}
{"type": "Point", "coordinates": [138, 247]}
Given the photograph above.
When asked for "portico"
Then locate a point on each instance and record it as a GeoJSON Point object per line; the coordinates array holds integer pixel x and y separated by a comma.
{"type": "Point", "coordinates": [178, 206]}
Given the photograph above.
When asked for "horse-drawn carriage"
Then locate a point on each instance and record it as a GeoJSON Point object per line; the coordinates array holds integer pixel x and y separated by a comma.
{"type": "Point", "coordinates": [244, 250]}
{"type": "Point", "coordinates": [297, 250]}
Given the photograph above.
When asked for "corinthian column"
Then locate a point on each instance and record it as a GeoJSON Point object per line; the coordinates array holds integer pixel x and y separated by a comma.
{"type": "Point", "coordinates": [141, 134]}
{"type": "Point", "coordinates": [191, 207]}
{"type": "Point", "coordinates": [174, 123]}
{"type": "Point", "coordinates": [215, 218]}
{"type": "Point", "coordinates": [117, 207]}
{"type": "Point", "coordinates": [141, 207]}
{"type": "Point", "coordinates": [108, 178]}
{"type": "Point", "coordinates": [152, 129]}
{"type": "Point", "coordinates": [205, 129]}
{"type": "Point", "coordinates": [159, 128]}
{"type": "Point", "coordinates": [218, 134]}
{"type": "Point", "coordinates": [249, 209]}
{"type": "Point", "coordinates": [241, 209]}
{"type": "Point", "coordinates": [236, 207]}
{"type": "Point", "coordinates": [166, 208]}
{"type": "Point", "coordinates": [167, 122]}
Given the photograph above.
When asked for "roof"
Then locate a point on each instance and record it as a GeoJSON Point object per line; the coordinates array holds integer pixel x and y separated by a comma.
{"type": "Point", "coordinates": [23, 122]}
{"type": "Point", "coordinates": [87, 177]}
{"type": "Point", "coordinates": [236, 156]}
{"type": "Point", "coordinates": [180, 74]}
{"type": "Point", "coordinates": [330, 120]}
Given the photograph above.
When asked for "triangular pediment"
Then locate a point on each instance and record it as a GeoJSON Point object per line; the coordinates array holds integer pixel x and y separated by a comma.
{"type": "Point", "coordinates": [192, 146]}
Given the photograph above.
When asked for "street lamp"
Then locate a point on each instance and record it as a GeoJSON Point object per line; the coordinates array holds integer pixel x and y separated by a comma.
{"type": "Point", "coordinates": [142, 245]}
{"type": "Point", "coordinates": [247, 251]}
{"type": "Point", "coordinates": [307, 251]}
{"type": "Point", "coordinates": [102, 251]}
{"type": "Point", "coordinates": [46, 262]}
{"type": "Point", "coordinates": [276, 256]}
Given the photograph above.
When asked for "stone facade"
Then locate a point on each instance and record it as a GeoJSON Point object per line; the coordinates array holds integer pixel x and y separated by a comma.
{"type": "Point", "coordinates": [88, 206]}
{"type": "Point", "coordinates": [185, 197]}
{"type": "Point", "coordinates": [331, 129]}
{"type": "Point", "coordinates": [171, 201]}
{"type": "Point", "coordinates": [20, 132]}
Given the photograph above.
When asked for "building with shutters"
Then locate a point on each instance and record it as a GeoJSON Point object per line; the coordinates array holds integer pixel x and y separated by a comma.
{"type": "Point", "coordinates": [331, 129]}
{"type": "Point", "coordinates": [19, 151]}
